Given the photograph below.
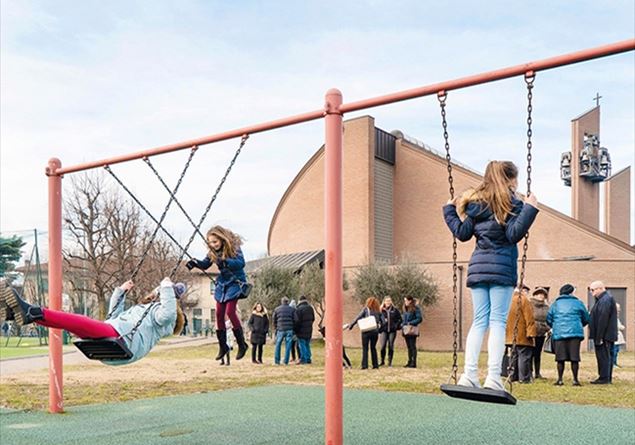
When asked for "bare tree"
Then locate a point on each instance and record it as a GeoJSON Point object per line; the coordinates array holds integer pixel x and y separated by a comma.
{"type": "Point", "coordinates": [88, 260]}
{"type": "Point", "coordinates": [109, 241]}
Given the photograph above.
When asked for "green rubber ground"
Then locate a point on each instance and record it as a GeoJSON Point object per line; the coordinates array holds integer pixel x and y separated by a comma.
{"type": "Point", "coordinates": [295, 414]}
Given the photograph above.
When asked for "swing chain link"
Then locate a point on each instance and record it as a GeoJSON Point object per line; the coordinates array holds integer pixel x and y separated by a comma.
{"type": "Point", "coordinates": [442, 97]}
{"type": "Point", "coordinates": [209, 205]}
{"type": "Point", "coordinates": [529, 80]}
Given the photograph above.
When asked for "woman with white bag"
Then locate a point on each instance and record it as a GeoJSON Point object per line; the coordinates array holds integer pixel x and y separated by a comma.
{"type": "Point", "coordinates": [369, 321]}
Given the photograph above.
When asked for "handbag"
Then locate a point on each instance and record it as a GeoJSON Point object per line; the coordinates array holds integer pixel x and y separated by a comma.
{"type": "Point", "coordinates": [548, 346]}
{"type": "Point", "coordinates": [410, 330]}
{"type": "Point", "coordinates": [368, 323]}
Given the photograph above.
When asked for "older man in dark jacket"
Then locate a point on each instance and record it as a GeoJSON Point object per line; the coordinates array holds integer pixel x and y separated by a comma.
{"type": "Point", "coordinates": [282, 320]}
{"type": "Point", "coordinates": [304, 318]}
{"type": "Point", "coordinates": [603, 331]}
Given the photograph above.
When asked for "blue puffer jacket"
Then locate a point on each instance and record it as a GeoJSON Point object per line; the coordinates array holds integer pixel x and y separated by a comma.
{"type": "Point", "coordinates": [494, 260]}
{"type": "Point", "coordinates": [231, 274]}
{"type": "Point", "coordinates": [283, 318]}
{"type": "Point", "coordinates": [567, 317]}
{"type": "Point", "coordinates": [413, 318]}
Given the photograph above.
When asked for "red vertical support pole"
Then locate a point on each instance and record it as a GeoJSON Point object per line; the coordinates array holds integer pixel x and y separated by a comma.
{"type": "Point", "coordinates": [333, 422]}
{"type": "Point", "coordinates": [56, 388]}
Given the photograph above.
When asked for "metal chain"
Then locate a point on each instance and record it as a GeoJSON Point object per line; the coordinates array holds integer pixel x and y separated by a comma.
{"type": "Point", "coordinates": [211, 202]}
{"type": "Point", "coordinates": [529, 80]}
{"type": "Point", "coordinates": [158, 224]}
{"type": "Point", "coordinates": [442, 96]}
{"type": "Point", "coordinates": [131, 334]}
{"type": "Point", "coordinates": [176, 201]}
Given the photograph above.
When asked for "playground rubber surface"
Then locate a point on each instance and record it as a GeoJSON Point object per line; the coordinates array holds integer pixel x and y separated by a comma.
{"type": "Point", "coordinates": [295, 415]}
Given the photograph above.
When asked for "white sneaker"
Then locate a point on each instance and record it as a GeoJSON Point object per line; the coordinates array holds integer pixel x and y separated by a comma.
{"type": "Point", "coordinates": [494, 383]}
{"type": "Point", "coordinates": [464, 380]}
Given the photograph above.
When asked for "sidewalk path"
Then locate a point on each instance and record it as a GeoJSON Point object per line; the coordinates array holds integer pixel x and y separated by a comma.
{"type": "Point", "coordinates": [32, 363]}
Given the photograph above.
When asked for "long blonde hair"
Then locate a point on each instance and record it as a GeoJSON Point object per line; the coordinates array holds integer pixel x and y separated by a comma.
{"type": "Point", "coordinates": [230, 242]}
{"type": "Point", "coordinates": [494, 191]}
{"type": "Point", "coordinates": [180, 318]}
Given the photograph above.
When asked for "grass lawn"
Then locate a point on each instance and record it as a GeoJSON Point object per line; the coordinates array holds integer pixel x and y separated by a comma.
{"type": "Point", "coordinates": [28, 346]}
{"type": "Point", "coordinates": [188, 370]}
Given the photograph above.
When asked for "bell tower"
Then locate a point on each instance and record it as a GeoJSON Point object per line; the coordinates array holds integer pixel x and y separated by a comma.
{"type": "Point", "coordinates": [585, 166]}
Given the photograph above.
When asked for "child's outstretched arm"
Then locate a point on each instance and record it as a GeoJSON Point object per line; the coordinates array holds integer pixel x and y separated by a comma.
{"type": "Point", "coordinates": [166, 313]}
{"type": "Point", "coordinates": [203, 264]}
{"type": "Point", "coordinates": [462, 230]}
{"type": "Point", "coordinates": [116, 302]}
{"type": "Point", "coordinates": [523, 217]}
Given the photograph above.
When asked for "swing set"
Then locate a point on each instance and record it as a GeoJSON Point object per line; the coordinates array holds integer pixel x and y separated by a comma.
{"type": "Point", "coordinates": [332, 112]}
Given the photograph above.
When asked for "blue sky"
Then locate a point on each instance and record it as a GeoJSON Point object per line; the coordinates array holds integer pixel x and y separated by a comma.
{"type": "Point", "coordinates": [84, 80]}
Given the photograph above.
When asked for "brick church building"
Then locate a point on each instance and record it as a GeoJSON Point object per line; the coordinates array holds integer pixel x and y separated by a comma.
{"type": "Point", "coordinates": [394, 187]}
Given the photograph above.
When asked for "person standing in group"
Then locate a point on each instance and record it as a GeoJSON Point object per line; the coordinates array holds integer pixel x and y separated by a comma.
{"type": "Point", "coordinates": [603, 331]}
{"type": "Point", "coordinates": [388, 332]}
{"type": "Point", "coordinates": [521, 321]}
{"type": "Point", "coordinates": [282, 318]}
{"type": "Point", "coordinates": [259, 326]}
{"type": "Point", "coordinates": [370, 336]}
{"type": "Point", "coordinates": [303, 319]}
{"type": "Point", "coordinates": [224, 251]}
{"type": "Point", "coordinates": [295, 348]}
{"type": "Point", "coordinates": [412, 318]}
{"type": "Point", "coordinates": [540, 303]}
{"type": "Point", "coordinates": [498, 219]}
{"type": "Point", "coordinates": [346, 362]}
{"type": "Point", "coordinates": [567, 318]}
{"type": "Point", "coordinates": [621, 341]}
{"type": "Point", "coordinates": [225, 360]}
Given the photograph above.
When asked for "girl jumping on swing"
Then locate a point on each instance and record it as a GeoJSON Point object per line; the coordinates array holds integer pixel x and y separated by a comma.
{"type": "Point", "coordinates": [498, 219]}
{"type": "Point", "coordinates": [165, 317]}
{"type": "Point", "coordinates": [224, 251]}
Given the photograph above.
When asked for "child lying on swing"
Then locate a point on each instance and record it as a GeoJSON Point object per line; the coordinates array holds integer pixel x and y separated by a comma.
{"type": "Point", "coordinates": [164, 318]}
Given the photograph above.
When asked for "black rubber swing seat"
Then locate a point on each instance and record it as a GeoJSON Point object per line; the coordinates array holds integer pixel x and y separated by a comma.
{"type": "Point", "coordinates": [479, 394]}
{"type": "Point", "coordinates": [111, 348]}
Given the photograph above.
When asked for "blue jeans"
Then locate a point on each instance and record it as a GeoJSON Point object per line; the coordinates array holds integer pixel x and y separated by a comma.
{"type": "Point", "coordinates": [287, 336]}
{"type": "Point", "coordinates": [491, 306]}
{"type": "Point", "coordinates": [305, 350]}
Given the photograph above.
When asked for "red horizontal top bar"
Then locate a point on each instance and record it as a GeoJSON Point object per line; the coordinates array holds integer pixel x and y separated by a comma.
{"type": "Point", "coordinates": [490, 76]}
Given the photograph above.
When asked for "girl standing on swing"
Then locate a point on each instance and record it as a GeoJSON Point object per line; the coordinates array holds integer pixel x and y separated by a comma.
{"type": "Point", "coordinates": [224, 251]}
{"type": "Point", "coordinates": [498, 219]}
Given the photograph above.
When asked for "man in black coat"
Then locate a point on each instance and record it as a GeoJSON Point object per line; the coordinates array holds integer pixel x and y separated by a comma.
{"type": "Point", "coordinates": [603, 331]}
{"type": "Point", "coordinates": [304, 318]}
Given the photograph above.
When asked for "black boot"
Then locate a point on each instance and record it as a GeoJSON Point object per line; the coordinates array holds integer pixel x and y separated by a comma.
{"type": "Point", "coordinates": [253, 354]}
{"type": "Point", "coordinates": [23, 312]}
{"type": "Point", "coordinates": [383, 357]}
{"type": "Point", "coordinates": [390, 354]}
{"type": "Point", "coordinates": [221, 335]}
{"type": "Point", "coordinates": [242, 345]}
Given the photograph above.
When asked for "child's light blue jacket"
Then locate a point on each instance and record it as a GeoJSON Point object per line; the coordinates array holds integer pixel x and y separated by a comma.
{"type": "Point", "coordinates": [158, 323]}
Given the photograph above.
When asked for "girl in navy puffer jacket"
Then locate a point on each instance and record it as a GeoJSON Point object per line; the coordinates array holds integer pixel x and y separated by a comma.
{"type": "Point", "coordinates": [498, 220]}
{"type": "Point", "coordinates": [224, 251]}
